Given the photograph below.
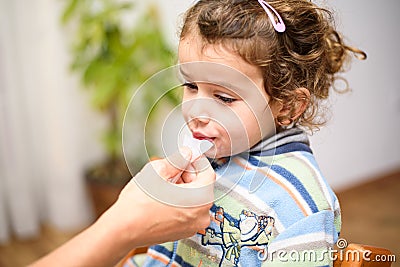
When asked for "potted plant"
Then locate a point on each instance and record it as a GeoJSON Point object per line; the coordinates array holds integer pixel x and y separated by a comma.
{"type": "Point", "coordinates": [112, 61]}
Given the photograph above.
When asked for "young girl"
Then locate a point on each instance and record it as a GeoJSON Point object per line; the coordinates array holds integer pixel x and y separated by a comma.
{"type": "Point", "coordinates": [281, 211]}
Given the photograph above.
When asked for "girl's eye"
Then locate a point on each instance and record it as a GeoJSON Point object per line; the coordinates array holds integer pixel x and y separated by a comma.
{"type": "Point", "coordinates": [225, 99]}
{"type": "Point", "coordinates": [190, 86]}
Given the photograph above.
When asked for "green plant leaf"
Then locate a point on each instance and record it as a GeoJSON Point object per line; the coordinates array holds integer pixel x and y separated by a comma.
{"type": "Point", "coordinates": [113, 60]}
{"type": "Point", "coordinates": [69, 11]}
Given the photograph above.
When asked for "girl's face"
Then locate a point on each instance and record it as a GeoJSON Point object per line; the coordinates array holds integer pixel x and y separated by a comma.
{"type": "Point", "coordinates": [223, 100]}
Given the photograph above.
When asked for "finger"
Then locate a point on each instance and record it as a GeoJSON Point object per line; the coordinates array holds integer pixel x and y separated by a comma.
{"type": "Point", "coordinates": [202, 164]}
{"type": "Point", "coordinates": [189, 175]}
{"type": "Point", "coordinates": [161, 167]}
{"type": "Point", "coordinates": [180, 159]}
{"type": "Point", "coordinates": [205, 173]}
{"type": "Point", "coordinates": [173, 165]}
{"type": "Point", "coordinates": [179, 181]}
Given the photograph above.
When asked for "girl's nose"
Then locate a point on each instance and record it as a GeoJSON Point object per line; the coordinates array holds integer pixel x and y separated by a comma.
{"type": "Point", "coordinates": [202, 119]}
{"type": "Point", "coordinates": [198, 110]}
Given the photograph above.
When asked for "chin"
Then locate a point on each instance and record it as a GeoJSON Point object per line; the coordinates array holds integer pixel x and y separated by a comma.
{"type": "Point", "coordinates": [211, 154]}
{"type": "Point", "coordinates": [216, 154]}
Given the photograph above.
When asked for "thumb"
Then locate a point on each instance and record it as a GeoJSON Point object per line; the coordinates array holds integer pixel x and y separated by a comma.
{"type": "Point", "coordinates": [174, 164]}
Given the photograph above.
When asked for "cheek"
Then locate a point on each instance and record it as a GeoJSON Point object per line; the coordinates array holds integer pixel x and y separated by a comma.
{"type": "Point", "coordinates": [240, 132]}
{"type": "Point", "coordinates": [253, 130]}
{"type": "Point", "coordinates": [246, 128]}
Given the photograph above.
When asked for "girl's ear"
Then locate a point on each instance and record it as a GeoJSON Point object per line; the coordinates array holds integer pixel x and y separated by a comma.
{"type": "Point", "coordinates": [289, 113]}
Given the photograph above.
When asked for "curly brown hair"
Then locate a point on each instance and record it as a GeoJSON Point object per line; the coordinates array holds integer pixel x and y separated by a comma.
{"type": "Point", "coordinates": [308, 54]}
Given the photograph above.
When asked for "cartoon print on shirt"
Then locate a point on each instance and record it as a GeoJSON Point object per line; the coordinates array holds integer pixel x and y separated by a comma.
{"type": "Point", "coordinates": [252, 230]}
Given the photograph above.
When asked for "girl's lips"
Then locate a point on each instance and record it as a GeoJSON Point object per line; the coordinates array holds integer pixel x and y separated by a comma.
{"type": "Point", "coordinates": [201, 136]}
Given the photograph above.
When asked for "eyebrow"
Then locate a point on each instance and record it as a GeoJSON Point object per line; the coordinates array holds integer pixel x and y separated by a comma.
{"type": "Point", "coordinates": [218, 83]}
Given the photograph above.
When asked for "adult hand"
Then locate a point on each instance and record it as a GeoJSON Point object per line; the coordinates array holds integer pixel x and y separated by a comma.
{"type": "Point", "coordinates": [146, 220]}
{"type": "Point", "coordinates": [137, 219]}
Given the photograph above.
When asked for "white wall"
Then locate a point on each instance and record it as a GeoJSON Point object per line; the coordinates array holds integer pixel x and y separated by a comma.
{"type": "Point", "coordinates": [362, 140]}
{"type": "Point", "coordinates": [44, 139]}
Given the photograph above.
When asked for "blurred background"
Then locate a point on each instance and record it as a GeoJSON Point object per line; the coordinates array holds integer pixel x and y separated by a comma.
{"type": "Point", "coordinates": [68, 69]}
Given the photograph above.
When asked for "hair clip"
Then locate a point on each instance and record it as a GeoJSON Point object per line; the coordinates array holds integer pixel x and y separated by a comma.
{"type": "Point", "coordinates": [279, 26]}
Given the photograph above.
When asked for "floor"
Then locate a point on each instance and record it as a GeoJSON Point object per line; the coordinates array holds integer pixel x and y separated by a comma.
{"type": "Point", "coordinates": [20, 253]}
{"type": "Point", "coordinates": [370, 213]}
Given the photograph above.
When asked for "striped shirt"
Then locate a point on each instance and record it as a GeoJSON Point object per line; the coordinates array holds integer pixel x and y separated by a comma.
{"type": "Point", "coordinates": [271, 209]}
